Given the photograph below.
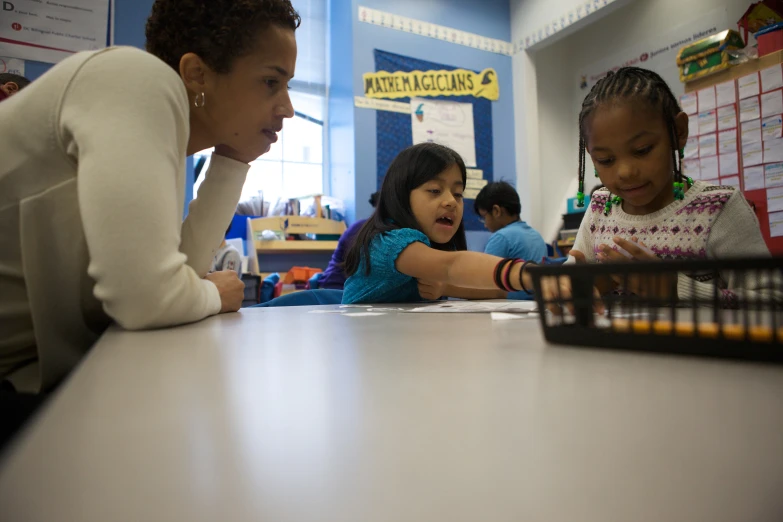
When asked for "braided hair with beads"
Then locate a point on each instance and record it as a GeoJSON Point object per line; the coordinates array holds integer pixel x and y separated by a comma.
{"type": "Point", "coordinates": [633, 82]}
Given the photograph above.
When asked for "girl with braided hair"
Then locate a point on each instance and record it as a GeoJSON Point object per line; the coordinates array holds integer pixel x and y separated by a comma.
{"type": "Point", "coordinates": [635, 131]}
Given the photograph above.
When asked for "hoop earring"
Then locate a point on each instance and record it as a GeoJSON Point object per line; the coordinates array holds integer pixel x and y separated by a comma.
{"type": "Point", "coordinates": [200, 101]}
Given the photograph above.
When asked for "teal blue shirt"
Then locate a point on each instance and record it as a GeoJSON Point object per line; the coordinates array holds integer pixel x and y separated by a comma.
{"type": "Point", "coordinates": [518, 240]}
{"type": "Point", "coordinates": [384, 283]}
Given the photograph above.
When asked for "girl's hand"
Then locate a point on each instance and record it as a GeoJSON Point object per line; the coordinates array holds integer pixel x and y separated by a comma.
{"type": "Point", "coordinates": [555, 288]}
{"type": "Point", "coordinates": [636, 251]}
{"type": "Point", "coordinates": [559, 288]}
{"type": "Point", "coordinates": [647, 285]}
{"type": "Point", "coordinates": [431, 290]}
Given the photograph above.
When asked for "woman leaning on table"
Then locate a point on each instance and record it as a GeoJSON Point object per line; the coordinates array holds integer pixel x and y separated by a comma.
{"type": "Point", "coordinates": [92, 179]}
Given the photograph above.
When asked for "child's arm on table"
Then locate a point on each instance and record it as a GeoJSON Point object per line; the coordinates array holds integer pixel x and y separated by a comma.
{"type": "Point", "coordinates": [468, 270]}
{"type": "Point", "coordinates": [473, 270]}
{"type": "Point", "coordinates": [432, 290]}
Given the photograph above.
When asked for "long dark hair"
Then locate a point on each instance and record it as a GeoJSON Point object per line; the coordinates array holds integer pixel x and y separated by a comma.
{"type": "Point", "coordinates": [411, 168]}
{"type": "Point", "coordinates": [627, 83]}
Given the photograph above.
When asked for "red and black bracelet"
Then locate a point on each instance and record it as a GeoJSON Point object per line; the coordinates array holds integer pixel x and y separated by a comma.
{"type": "Point", "coordinates": [499, 273]}
{"type": "Point", "coordinates": [514, 262]}
{"type": "Point", "coordinates": [503, 274]}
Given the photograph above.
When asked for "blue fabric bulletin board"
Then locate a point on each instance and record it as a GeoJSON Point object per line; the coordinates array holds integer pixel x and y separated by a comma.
{"type": "Point", "coordinates": [393, 129]}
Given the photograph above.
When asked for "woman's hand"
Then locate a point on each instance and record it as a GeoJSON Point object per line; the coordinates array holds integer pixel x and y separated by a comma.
{"type": "Point", "coordinates": [645, 285]}
{"type": "Point", "coordinates": [230, 288]}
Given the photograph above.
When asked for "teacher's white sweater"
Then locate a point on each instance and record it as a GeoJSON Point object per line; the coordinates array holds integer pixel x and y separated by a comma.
{"type": "Point", "coordinates": [92, 187]}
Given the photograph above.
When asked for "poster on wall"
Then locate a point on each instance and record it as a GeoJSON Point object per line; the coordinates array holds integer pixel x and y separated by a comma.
{"type": "Point", "coordinates": [11, 65]}
{"type": "Point", "coordinates": [51, 31]}
{"type": "Point", "coordinates": [456, 82]}
{"type": "Point", "coordinates": [658, 54]}
{"type": "Point", "coordinates": [447, 123]}
{"type": "Point", "coordinates": [396, 131]}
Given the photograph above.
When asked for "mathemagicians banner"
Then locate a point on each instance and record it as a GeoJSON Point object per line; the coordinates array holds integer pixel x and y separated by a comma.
{"type": "Point", "coordinates": [459, 82]}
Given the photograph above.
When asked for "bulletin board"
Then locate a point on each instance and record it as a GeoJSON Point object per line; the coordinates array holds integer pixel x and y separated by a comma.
{"type": "Point", "coordinates": [736, 138]}
{"type": "Point", "coordinates": [394, 131]}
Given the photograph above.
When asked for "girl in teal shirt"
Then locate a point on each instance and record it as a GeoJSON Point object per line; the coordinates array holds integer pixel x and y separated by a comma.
{"type": "Point", "coordinates": [413, 247]}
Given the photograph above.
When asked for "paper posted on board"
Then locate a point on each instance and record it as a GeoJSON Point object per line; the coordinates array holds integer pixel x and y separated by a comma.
{"type": "Point", "coordinates": [447, 123]}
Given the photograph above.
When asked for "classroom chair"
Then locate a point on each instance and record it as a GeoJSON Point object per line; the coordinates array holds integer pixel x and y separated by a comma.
{"type": "Point", "coordinates": [306, 298]}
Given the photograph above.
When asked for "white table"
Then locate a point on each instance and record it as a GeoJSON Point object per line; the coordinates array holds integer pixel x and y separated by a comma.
{"type": "Point", "coordinates": [285, 415]}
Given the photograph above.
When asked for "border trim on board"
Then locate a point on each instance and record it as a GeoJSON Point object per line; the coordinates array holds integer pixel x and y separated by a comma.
{"type": "Point", "coordinates": [438, 32]}
{"type": "Point", "coordinates": [381, 105]}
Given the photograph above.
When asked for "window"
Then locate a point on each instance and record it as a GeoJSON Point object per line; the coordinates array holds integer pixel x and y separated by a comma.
{"type": "Point", "coordinates": [294, 166]}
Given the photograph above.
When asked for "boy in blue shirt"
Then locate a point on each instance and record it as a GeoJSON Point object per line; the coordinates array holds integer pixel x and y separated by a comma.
{"type": "Point", "coordinates": [499, 207]}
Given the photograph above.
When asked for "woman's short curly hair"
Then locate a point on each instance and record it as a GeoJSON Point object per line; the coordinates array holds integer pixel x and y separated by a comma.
{"type": "Point", "coordinates": [219, 31]}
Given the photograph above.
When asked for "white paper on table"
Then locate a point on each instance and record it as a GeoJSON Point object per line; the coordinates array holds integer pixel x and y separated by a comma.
{"type": "Point", "coordinates": [748, 85]}
{"type": "Point", "coordinates": [447, 123]}
{"type": "Point", "coordinates": [776, 224]}
{"type": "Point", "coordinates": [732, 181]}
{"type": "Point", "coordinates": [773, 150]}
{"type": "Point", "coordinates": [693, 125]}
{"type": "Point", "coordinates": [706, 99]}
{"type": "Point", "coordinates": [692, 168]}
{"type": "Point", "coordinates": [752, 154]}
{"type": "Point", "coordinates": [709, 168]}
{"type": "Point", "coordinates": [692, 148]}
{"type": "Point", "coordinates": [775, 199]}
{"type": "Point", "coordinates": [708, 144]}
{"type": "Point", "coordinates": [727, 141]}
{"type": "Point", "coordinates": [689, 103]}
{"type": "Point", "coordinates": [729, 164]}
{"type": "Point", "coordinates": [771, 103]}
{"type": "Point", "coordinates": [773, 175]}
{"type": "Point", "coordinates": [754, 178]}
{"type": "Point", "coordinates": [771, 78]}
{"type": "Point", "coordinates": [725, 93]}
{"type": "Point", "coordinates": [727, 117]}
{"type": "Point", "coordinates": [469, 307]}
{"type": "Point", "coordinates": [751, 132]}
{"type": "Point", "coordinates": [750, 109]}
{"type": "Point", "coordinates": [504, 316]}
{"type": "Point", "coordinates": [708, 122]}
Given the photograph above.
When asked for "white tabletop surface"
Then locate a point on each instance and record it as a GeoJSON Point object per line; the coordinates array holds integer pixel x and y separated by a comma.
{"type": "Point", "coordinates": [280, 414]}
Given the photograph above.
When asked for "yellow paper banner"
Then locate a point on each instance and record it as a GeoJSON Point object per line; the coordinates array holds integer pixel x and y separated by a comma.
{"type": "Point", "coordinates": [459, 82]}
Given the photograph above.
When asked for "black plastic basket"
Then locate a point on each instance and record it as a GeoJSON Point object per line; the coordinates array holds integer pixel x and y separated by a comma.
{"type": "Point", "coordinates": [744, 324]}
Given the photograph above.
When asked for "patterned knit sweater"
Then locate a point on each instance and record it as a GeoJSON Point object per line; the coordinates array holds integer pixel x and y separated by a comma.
{"type": "Point", "coordinates": [710, 222]}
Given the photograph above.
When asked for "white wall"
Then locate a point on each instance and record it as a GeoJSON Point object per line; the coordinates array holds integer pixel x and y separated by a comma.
{"type": "Point", "coordinates": [557, 134]}
{"type": "Point", "coordinates": [527, 17]}
{"type": "Point", "coordinates": [547, 137]}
